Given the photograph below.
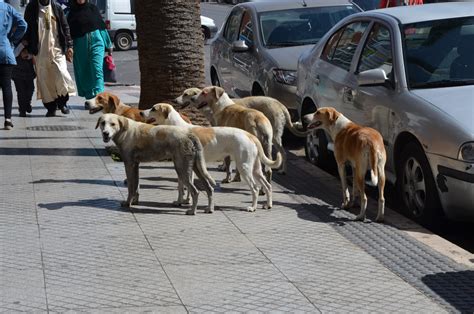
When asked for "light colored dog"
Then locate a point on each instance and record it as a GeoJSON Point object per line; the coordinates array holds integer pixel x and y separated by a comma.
{"type": "Point", "coordinates": [360, 146]}
{"type": "Point", "coordinates": [226, 113]}
{"type": "Point", "coordinates": [218, 142]}
{"type": "Point", "coordinates": [275, 111]}
{"type": "Point", "coordinates": [140, 142]}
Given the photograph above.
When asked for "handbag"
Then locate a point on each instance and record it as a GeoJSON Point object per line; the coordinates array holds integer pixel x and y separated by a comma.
{"type": "Point", "coordinates": [109, 70]}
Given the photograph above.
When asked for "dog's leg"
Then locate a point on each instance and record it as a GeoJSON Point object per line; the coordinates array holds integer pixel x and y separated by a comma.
{"type": "Point", "coordinates": [136, 183]}
{"type": "Point", "coordinates": [279, 147]}
{"type": "Point", "coordinates": [355, 191]}
{"type": "Point", "coordinates": [266, 186]}
{"type": "Point", "coordinates": [237, 176]}
{"type": "Point", "coordinates": [345, 191]}
{"type": "Point", "coordinates": [359, 180]}
{"type": "Point", "coordinates": [184, 168]}
{"type": "Point", "coordinates": [381, 205]}
{"type": "Point", "coordinates": [131, 170]}
{"type": "Point", "coordinates": [267, 145]}
{"type": "Point", "coordinates": [209, 190]}
{"type": "Point", "coordinates": [247, 177]}
{"type": "Point", "coordinates": [228, 170]}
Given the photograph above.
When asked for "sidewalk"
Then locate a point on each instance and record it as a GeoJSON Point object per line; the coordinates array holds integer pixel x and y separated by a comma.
{"type": "Point", "coordinates": [66, 245]}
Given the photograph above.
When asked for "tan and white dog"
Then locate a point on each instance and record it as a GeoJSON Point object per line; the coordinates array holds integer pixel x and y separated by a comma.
{"type": "Point", "coordinates": [218, 142]}
{"type": "Point", "coordinates": [140, 142]}
{"type": "Point", "coordinates": [274, 110]}
{"type": "Point", "coordinates": [226, 113]}
{"type": "Point", "coordinates": [360, 146]}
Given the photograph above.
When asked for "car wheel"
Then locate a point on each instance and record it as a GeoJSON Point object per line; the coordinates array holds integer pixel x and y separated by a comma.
{"type": "Point", "coordinates": [123, 41]}
{"type": "Point", "coordinates": [205, 33]}
{"type": "Point", "coordinates": [257, 90]}
{"type": "Point", "coordinates": [416, 186]}
{"type": "Point", "coordinates": [214, 79]}
{"type": "Point", "coordinates": [316, 151]}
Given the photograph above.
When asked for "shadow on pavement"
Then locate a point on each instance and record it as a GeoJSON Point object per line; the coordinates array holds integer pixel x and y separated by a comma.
{"type": "Point", "coordinates": [79, 181]}
{"type": "Point", "coordinates": [446, 286]}
{"type": "Point", "coordinates": [102, 203]}
{"type": "Point", "coordinates": [25, 151]}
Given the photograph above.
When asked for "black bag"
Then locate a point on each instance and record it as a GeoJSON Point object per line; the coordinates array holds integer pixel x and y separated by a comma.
{"type": "Point", "coordinates": [109, 70]}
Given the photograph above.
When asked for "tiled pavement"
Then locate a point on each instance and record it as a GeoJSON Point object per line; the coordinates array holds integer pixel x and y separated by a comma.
{"type": "Point", "coordinates": [66, 245]}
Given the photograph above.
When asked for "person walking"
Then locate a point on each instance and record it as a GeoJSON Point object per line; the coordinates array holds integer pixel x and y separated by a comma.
{"type": "Point", "coordinates": [91, 40]}
{"type": "Point", "coordinates": [49, 40]}
{"type": "Point", "coordinates": [12, 29]}
{"type": "Point", "coordinates": [396, 3]}
{"type": "Point", "coordinates": [24, 77]}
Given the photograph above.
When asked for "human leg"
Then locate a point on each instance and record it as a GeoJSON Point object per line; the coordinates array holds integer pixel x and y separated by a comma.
{"type": "Point", "coordinates": [6, 86]}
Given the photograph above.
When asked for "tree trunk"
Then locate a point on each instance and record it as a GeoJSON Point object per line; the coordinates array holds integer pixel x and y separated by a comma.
{"type": "Point", "coordinates": [170, 48]}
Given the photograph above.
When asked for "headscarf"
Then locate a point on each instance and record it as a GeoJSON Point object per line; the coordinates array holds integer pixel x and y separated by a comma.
{"type": "Point", "coordinates": [84, 18]}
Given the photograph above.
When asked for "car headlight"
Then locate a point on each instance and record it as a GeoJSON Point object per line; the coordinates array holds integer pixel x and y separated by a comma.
{"type": "Point", "coordinates": [285, 76]}
{"type": "Point", "coordinates": [466, 152]}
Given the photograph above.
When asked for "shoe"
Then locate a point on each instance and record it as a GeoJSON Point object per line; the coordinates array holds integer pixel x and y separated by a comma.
{"type": "Point", "coordinates": [29, 109]}
{"type": "Point", "coordinates": [51, 113]}
{"type": "Point", "coordinates": [22, 114]}
{"type": "Point", "coordinates": [65, 110]}
{"type": "Point", "coordinates": [8, 125]}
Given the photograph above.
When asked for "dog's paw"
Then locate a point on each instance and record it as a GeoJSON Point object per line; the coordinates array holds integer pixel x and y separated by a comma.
{"type": "Point", "coordinates": [360, 218]}
{"type": "Point", "coordinates": [191, 212]}
{"type": "Point", "coordinates": [251, 209]}
{"type": "Point", "coordinates": [209, 211]}
{"type": "Point", "coordinates": [226, 180]}
{"type": "Point", "coordinates": [237, 179]}
{"type": "Point", "coordinates": [266, 206]}
{"type": "Point", "coordinates": [135, 202]}
{"type": "Point", "coordinates": [379, 219]}
{"type": "Point", "coordinates": [125, 204]}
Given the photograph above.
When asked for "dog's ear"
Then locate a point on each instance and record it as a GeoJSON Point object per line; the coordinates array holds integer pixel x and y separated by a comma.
{"type": "Point", "coordinates": [114, 102]}
{"type": "Point", "coordinates": [166, 110]}
{"type": "Point", "coordinates": [219, 91]}
{"type": "Point", "coordinates": [123, 122]}
{"type": "Point", "coordinates": [98, 122]}
{"type": "Point", "coordinates": [332, 115]}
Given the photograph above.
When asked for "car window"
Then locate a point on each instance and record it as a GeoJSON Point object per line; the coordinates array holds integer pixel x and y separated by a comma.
{"type": "Point", "coordinates": [331, 44]}
{"type": "Point", "coordinates": [294, 27]}
{"type": "Point", "coordinates": [246, 29]}
{"type": "Point", "coordinates": [232, 25]}
{"type": "Point", "coordinates": [347, 44]}
{"type": "Point", "coordinates": [377, 52]}
{"type": "Point", "coordinates": [439, 53]}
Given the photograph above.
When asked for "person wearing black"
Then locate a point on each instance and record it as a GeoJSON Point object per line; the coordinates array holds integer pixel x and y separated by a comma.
{"type": "Point", "coordinates": [24, 78]}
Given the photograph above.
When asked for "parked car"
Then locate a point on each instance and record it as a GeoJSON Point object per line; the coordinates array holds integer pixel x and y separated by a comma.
{"type": "Point", "coordinates": [119, 16]}
{"type": "Point", "coordinates": [409, 73]}
{"type": "Point", "coordinates": [257, 49]}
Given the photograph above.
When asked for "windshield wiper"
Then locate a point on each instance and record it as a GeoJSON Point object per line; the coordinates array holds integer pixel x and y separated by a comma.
{"type": "Point", "coordinates": [442, 83]}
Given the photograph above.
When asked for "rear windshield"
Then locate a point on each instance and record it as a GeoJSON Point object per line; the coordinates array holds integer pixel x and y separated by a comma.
{"type": "Point", "coordinates": [440, 53]}
{"type": "Point", "coordinates": [303, 26]}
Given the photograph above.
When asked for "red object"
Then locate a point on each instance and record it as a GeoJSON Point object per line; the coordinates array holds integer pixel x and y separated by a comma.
{"type": "Point", "coordinates": [396, 3]}
{"type": "Point", "coordinates": [109, 62]}
{"type": "Point", "coordinates": [107, 24]}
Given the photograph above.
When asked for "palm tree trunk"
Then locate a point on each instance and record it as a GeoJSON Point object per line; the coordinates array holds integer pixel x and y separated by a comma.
{"type": "Point", "coordinates": [170, 48]}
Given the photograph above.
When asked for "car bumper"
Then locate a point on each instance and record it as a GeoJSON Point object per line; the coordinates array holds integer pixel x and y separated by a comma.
{"type": "Point", "coordinates": [286, 94]}
{"type": "Point", "coordinates": [455, 182]}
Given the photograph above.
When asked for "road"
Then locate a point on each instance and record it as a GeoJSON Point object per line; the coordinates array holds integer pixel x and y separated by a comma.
{"type": "Point", "coordinates": [128, 73]}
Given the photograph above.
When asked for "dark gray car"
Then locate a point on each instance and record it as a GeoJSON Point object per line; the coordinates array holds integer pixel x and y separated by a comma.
{"type": "Point", "coordinates": [257, 49]}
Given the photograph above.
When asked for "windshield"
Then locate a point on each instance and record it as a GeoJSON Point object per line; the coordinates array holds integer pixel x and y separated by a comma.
{"type": "Point", "coordinates": [367, 4]}
{"type": "Point", "coordinates": [440, 53]}
{"type": "Point", "coordinates": [300, 26]}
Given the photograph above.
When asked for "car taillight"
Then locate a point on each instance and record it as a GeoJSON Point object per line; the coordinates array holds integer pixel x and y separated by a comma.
{"type": "Point", "coordinates": [107, 24]}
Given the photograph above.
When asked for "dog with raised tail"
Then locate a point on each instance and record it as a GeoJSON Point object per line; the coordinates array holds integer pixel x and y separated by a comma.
{"type": "Point", "coordinates": [360, 146]}
{"type": "Point", "coordinates": [219, 142]}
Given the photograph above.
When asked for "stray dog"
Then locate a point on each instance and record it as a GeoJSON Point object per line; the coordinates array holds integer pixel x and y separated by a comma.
{"type": "Point", "coordinates": [275, 111]}
{"type": "Point", "coordinates": [140, 142]}
{"type": "Point", "coordinates": [363, 148]}
{"type": "Point", "coordinates": [218, 142]}
{"type": "Point", "coordinates": [226, 113]}
{"type": "Point", "coordinates": [109, 103]}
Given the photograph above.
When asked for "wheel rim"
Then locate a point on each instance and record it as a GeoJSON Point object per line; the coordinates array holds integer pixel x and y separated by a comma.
{"type": "Point", "coordinates": [124, 42]}
{"type": "Point", "coordinates": [312, 144]}
{"type": "Point", "coordinates": [414, 187]}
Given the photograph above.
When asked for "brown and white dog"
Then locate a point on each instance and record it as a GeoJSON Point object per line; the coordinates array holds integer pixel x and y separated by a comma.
{"type": "Point", "coordinates": [110, 103]}
{"type": "Point", "coordinates": [140, 142]}
{"type": "Point", "coordinates": [219, 142]}
{"type": "Point", "coordinates": [274, 110]}
{"type": "Point", "coordinates": [226, 113]}
{"type": "Point", "coordinates": [360, 146]}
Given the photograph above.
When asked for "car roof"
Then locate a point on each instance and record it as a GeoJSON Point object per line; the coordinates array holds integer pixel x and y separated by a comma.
{"type": "Point", "coordinates": [276, 5]}
{"type": "Point", "coordinates": [426, 12]}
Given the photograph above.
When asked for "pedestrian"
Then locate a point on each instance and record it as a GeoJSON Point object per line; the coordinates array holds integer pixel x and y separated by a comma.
{"type": "Point", "coordinates": [12, 29]}
{"type": "Point", "coordinates": [396, 3]}
{"type": "Point", "coordinates": [49, 40]}
{"type": "Point", "coordinates": [24, 77]}
{"type": "Point", "coordinates": [91, 40]}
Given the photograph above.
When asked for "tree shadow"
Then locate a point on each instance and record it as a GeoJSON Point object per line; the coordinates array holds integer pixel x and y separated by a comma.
{"type": "Point", "coordinates": [80, 181]}
{"type": "Point", "coordinates": [29, 151]}
{"type": "Point", "coordinates": [456, 288]}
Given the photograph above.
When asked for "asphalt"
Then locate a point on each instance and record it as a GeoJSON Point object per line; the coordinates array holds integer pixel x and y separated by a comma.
{"type": "Point", "coordinates": [67, 245]}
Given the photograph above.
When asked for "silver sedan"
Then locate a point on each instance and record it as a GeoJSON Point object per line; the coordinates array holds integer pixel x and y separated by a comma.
{"type": "Point", "coordinates": [409, 73]}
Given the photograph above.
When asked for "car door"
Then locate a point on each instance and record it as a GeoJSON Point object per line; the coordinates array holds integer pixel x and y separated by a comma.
{"type": "Point", "coordinates": [373, 105]}
{"type": "Point", "coordinates": [244, 62]}
{"type": "Point", "coordinates": [332, 70]}
{"type": "Point", "coordinates": [224, 49]}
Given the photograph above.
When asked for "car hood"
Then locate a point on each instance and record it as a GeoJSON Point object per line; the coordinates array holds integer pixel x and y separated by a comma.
{"type": "Point", "coordinates": [287, 58]}
{"type": "Point", "coordinates": [457, 102]}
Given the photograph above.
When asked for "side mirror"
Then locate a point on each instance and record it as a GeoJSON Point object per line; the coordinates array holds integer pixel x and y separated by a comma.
{"type": "Point", "coordinates": [374, 77]}
{"type": "Point", "coordinates": [240, 46]}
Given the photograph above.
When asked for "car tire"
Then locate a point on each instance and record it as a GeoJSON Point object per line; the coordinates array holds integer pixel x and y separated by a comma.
{"type": "Point", "coordinates": [416, 186]}
{"type": "Point", "coordinates": [123, 41]}
{"type": "Point", "coordinates": [257, 90]}
{"type": "Point", "coordinates": [206, 34]}
{"type": "Point", "coordinates": [215, 79]}
{"type": "Point", "coordinates": [315, 149]}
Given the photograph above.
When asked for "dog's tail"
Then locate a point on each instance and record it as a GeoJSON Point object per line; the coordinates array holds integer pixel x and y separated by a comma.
{"type": "Point", "coordinates": [289, 125]}
{"type": "Point", "coordinates": [374, 176]}
{"type": "Point", "coordinates": [200, 162]}
{"type": "Point", "coordinates": [261, 154]}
